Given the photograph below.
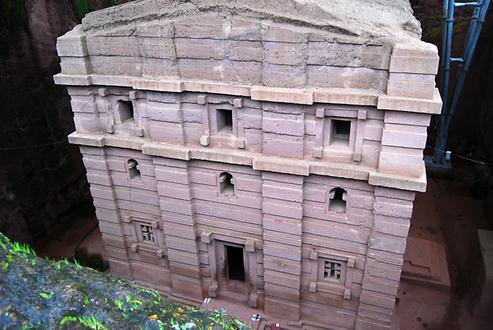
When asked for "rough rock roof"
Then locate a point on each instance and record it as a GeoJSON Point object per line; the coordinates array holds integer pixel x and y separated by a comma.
{"type": "Point", "coordinates": [385, 21]}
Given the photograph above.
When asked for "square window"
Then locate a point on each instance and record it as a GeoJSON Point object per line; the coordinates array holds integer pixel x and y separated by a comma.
{"type": "Point", "coordinates": [125, 111]}
{"type": "Point", "coordinates": [332, 270]}
{"type": "Point", "coordinates": [224, 120]}
{"type": "Point", "coordinates": [147, 233]}
{"type": "Point", "coordinates": [340, 132]}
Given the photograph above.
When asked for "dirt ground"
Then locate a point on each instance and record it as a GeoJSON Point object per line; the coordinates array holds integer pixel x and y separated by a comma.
{"type": "Point", "coordinates": [445, 213]}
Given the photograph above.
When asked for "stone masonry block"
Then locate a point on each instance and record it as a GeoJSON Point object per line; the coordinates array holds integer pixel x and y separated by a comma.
{"type": "Point", "coordinates": [409, 104]}
{"type": "Point", "coordinates": [411, 85]}
{"type": "Point", "coordinates": [400, 163]}
{"type": "Point", "coordinates": [385, 242]}
{"type": "Point", "coordinates": [157, 48]}
{"type": "Point", "coordinates": [281, 224]}
{"type": "Point", "coordinates": [348, 55]}
{"type": "Point", "coordinates": [246, 51]}
{"type": "Point", "coordinates": [279, 34]}
{"type": "Point", "coordinates": [282, 309]}
{"type": "Point", "coordinates": [284, 193]}
{"type": "Point", "coordinates": [407, 118]}
{"type": "Point", "coordinates": [411, 59]}
{"type": "Point", "coordinates": [283, 145]}
{"type": "Point", "coordinates": [284, 53]}
{"type": "Point", "coordinates": [201, 27]}
{"type": "Point", "coordinates": [283, 209]}
{"type": "Point", "coordinates": [395, 193]}
{"type": "Point", "coordinates": [343, 77]}
{"type": "Point", "coordinates": [281, 250]}
{"type": "Point", "coordinates": [377, 299]}
{"type": "Point", "coordinates": [200, 48]}
{"type": "Point", "coordinates": [402, 136]}
{"type": "Point", "coordinates": [72, 44]}
{"type": "Point", "coordinates": [165, 112]}
{"type": "Point", "coordinates": [113, 46]}
{"type": "Point", "coordinates": [393, 208]}
{"type": "Point", "coordinates": [383, 270]}
{"type": "Point", "coordinates": [282, 265]}
{"type": "Point", "coordinates": [375, 312]}
{"type": "Point", "coordinates": [280, 125]}
{"type": "Point", "coordinates": [243, 29]}
{"type": "Point", "coordinates": [75, 65]}
{"type": "Point", "coordinates": [284, 75]}
{"type": "Point", "coordinates": [388, 225]}
{"type": "Point", "coordinates": [155, 31]}
{"type": "Point", "coordinates": [291, 95]}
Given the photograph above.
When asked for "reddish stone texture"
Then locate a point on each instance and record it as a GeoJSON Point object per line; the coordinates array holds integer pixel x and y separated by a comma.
{"type": "Point", "coordinates": [269, 164]}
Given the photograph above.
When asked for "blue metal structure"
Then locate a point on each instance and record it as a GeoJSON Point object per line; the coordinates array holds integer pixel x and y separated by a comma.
{"type": "Point", "coordinates": [441, 157]}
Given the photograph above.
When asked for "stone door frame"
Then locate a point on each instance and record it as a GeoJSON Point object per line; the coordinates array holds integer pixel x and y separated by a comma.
{"type": "Point", "coordinates": [212, 241]}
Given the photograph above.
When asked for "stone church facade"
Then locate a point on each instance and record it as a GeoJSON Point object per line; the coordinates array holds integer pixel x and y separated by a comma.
{"type": "Point", "coordinates": [268, 156]}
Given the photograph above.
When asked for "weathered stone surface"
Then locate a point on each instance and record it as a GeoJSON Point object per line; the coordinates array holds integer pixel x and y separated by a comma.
{"type": "Point", "coordinates": [290, 139]}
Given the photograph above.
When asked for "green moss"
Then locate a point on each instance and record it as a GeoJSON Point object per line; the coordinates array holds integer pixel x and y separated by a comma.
{"type": "Point", "coordinates": [63, 295]}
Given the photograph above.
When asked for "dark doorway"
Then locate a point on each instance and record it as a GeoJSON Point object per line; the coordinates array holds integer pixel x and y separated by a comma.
{"type": "Point", "coordinates": [234, 263]}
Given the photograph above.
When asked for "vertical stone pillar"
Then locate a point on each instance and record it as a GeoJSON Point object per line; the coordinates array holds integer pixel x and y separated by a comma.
{"type": "Point", "coordinates": [282, 214]}
{"type": "Point", "coordinates": [107, 210]}
{"type": "Point", "coordinates": [175, 195]}
{"type": "Point", "coordinates": [386, 246]}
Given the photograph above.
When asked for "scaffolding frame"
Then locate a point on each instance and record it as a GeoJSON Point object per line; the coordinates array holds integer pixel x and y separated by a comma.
{"type": "Point", "coordinates": [441, 157]}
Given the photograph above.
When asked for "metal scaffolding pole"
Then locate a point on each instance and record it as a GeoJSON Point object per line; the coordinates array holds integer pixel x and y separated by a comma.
{"type": "Point", "coordinates": [440, 156]}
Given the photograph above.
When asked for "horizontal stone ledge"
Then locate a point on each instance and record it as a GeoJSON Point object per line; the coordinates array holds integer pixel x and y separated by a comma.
{"type": "Point", "coordinates": [286, 95]}
{"type": "Point", "coordinates": [280, 165]}
{"type": "Point", "coordinates": [408, 104]}
{"type": "Point", "coordinates": [257, 161]}
{"type": "Point", "coordinates": [307, 96]}
{"type": "Point", "coordinates": [399, 181]}
{"type": "Point", "coordinates": [269, 94]}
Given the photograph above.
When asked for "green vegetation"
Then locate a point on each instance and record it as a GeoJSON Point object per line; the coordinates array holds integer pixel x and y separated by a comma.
{"type": "Point", "coordinates": [45, 294]}
{"type": "Point", "coordinates": [81, 7]}
{"type": "Point", "coordinates": [88, 321]}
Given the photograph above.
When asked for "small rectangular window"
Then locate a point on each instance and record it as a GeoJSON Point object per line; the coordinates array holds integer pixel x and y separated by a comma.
{"type": "Point", "coordinates": [341, 130]}
{"type": "Point", "coordinates": [224, 121]}
{"type": "Point", "coordinates": [333, 270]}
{"type": "Point", "coordinates": [125, 111]}
{"type": "Point", "coordinates": [147, 233]}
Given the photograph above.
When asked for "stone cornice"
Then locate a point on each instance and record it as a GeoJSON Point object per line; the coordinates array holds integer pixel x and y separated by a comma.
{"type": "Point", "coordinates": [256, 160]}
{"type": "Point", "coordinates": [270, 94]}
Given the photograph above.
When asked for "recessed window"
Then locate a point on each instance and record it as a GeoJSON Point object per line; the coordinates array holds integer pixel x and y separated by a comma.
{"type": "Point", "coordinates": [332, 270]}
{"type": "Point", "coordinates": [341, 130]}
{"type": "Point", "coordinates": [133, 170]}
{"type": "Point", "coordinates": [226, 184]}
{"type": "Point", "coordinates": [234, 263]}
{"type": "Point", "coordinates": [224, 121]}
{"type": "Point", "coordinates": [337, 200]}
{"type": "Point", "coordinates": [147, 233]}
{"type": "Point", "coordinates": [125, 111]}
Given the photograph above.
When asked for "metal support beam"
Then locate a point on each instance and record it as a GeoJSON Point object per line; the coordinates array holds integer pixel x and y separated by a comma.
{"type": "Point", "coordinates": [450, 103]}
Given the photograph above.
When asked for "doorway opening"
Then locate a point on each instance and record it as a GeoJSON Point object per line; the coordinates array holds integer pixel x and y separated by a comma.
{"type": "Point", "coordinates": [235, 265]}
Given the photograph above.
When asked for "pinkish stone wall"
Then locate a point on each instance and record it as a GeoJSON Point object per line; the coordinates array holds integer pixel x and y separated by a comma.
{"type": "Point", "coordinates": [321, 128]}
{"type": "Point", "coordinates": [286, 217]}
